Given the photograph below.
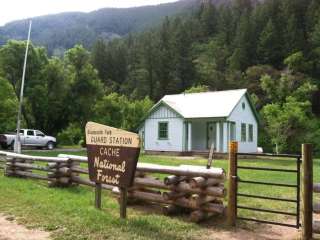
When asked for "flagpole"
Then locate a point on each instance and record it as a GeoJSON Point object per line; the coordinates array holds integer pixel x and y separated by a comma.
{"type": "Point", "coordinates": [17, 142]}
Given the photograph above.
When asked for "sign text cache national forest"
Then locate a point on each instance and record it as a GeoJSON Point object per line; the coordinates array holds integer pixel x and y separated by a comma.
{"type": "Point", "coordinates": [112, 154]}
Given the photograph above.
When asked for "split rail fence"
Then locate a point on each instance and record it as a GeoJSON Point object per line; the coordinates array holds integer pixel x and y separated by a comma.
{"type": "Point", "coordinates": [195, 190]}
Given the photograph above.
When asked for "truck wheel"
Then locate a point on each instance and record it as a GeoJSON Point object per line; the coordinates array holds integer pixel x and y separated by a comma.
{"type": "Point", "coordinates": [50, 145]}
{"type": "Point", "coordinates": [11, 146]}
{"type": "Point", "coordinates": [4, 146]}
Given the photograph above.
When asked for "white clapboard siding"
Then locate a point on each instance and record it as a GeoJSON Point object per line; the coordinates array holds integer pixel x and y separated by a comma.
{"type": "Point", "coordinates": [175, 130]}
{"type": "Point", "coordinates": [163, 112]}
{"type": "Point", "coordinates": [246, 115]}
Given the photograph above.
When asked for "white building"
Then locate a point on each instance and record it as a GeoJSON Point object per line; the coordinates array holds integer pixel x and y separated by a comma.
{"type": "Point", "coordinates": [192, 122]}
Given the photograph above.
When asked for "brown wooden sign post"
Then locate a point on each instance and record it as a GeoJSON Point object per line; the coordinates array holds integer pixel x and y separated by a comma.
{"type": "Point", "coordinates": [112, 159]}
{"type": "Point", "coordinates": [98, 189]}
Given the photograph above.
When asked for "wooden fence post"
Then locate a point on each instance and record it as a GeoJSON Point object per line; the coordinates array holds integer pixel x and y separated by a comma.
{"type": "Point", "coordinates": [232, 184]}
{"type": "Point", "coordinates": [98, 195]}
{"type": "Point", "coordinates": [123, 202]}
{"type": "Point", "coordinates": [307, 191]}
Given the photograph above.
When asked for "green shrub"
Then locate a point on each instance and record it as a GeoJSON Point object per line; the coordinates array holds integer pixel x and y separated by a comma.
{"type": "Point", "coordinates": [82, 143]}
{"type": "Point", "coordinates": [71, 135]}
{"type": "Point", "coordinates": [8, 106]}
{"type": "Point", "coordinates": [121, 112]}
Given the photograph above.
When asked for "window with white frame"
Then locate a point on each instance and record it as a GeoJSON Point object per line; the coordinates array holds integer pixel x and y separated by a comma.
{"type": "Point", "coordinates": [243, 132]}
{"type": "Point", "coordinates": [250, 137]}
{"type": "Point", "coordinates": [163, 130]}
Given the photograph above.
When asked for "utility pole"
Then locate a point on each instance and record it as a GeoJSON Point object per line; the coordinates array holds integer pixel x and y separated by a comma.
{"type": "Point", "coordinates": [17, 142]}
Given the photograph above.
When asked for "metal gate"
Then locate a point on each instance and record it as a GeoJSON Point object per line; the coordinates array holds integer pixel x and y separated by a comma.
{"type": "Point", "coordinates": [296, 200]}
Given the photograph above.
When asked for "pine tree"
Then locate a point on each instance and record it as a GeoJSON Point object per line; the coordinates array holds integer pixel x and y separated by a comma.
{"type": "Point", "coordinates": [225, 26]}
{"type": "Point", "coordinates": [315, 53]}
{"type": "Point", "coordinates": [294, 36]}
{"type": "Point", "coordinates": [312, 15]}
{"type": "Point", "coordinates": [315, 35]}
{"type": "Point", "coordinates": [269, 51]}
{"type": "Point", "coordinates": [165, 60]}
{"type": "Point", "coordinates": [99, 58]}
{"type": "Point", "coordinates": [184, 68]}
{"type": "Point", "coordinates": [150, 53]}
{"type": "Point", "coordinates": [208, 19]}
{"type": "Point", "coordinates": [293, 29]}
{"type": "Point", "coordinates": [241, 58]}
{"type": "Point", "coordinates": [131, 83]}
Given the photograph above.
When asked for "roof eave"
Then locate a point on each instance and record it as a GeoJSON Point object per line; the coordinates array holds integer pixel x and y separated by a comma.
{"type": "Point", "coordinates": [255, 113]}
{"type": "Point", "coordinates": [155, 107]}
{"type": "Point", "coordinates": [253, 108]}
{"type": "Point", "coordinates": [216, 118]}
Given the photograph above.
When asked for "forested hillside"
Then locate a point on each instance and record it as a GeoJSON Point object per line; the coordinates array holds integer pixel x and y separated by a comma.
{"type": "Point", "coordinates": [62, 31]}
{"type": "Point", "coordinates": [272, 48]}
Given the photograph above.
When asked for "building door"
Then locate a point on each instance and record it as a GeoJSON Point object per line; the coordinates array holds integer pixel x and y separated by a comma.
{"type": "Point", "coordinates": [212, 135]}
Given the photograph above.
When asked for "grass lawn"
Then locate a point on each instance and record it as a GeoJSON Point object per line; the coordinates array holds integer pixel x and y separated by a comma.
{"type": "Point", "coordinates": [70, 214]}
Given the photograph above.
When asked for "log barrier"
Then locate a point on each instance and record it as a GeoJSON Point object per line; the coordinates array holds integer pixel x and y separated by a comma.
{"type": "Point", "coordinates": [195, 190]}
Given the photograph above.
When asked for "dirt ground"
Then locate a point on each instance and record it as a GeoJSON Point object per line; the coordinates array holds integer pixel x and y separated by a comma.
{"type": "Point", "coordinates": [11, 230]}
{"type": "Point", "coordinates": [262, 232]}
{"type": "Point", "coordinates": [214, 230]}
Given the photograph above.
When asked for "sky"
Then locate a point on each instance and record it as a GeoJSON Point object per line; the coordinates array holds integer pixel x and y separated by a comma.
{"type": "Point", "coordinates": [20, 9]}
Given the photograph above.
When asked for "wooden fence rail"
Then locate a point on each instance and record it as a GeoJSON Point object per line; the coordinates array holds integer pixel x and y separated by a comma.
{"type": "Point", "coordinates": [193, 189]}
{"type": "Point", "coordinates": [34, 158]}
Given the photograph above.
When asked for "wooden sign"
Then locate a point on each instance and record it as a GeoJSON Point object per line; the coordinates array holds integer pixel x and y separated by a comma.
{"type": "Point", "coordinates": [112, 154]}
{"type": "Point", "coordinates": [112, 159]}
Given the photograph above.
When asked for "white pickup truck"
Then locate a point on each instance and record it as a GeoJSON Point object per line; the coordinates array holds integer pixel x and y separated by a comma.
{"type": "Point", "coordinates": [29, 137]}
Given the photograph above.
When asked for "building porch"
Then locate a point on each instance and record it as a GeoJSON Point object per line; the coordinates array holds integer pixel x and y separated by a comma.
{"type": "Point", "coordinates": [199, 135]}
